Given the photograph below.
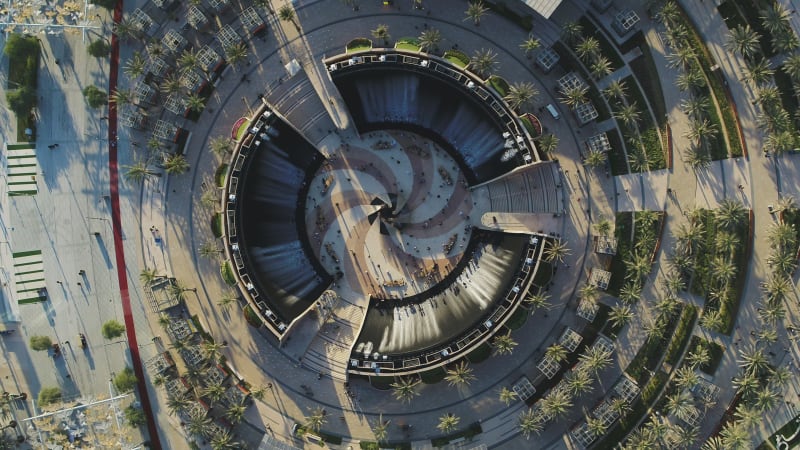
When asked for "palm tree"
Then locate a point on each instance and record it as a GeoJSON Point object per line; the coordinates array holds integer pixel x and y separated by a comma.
{"type": "Point", "coordinates": [696, 106]}
{"type": "Point", "coordinates": [286, 13]}
{"type": "Point", "coordinates": [507, 395]}
{"type": "Point", "coordinates": [620, 315]}
{"type": "Point", "coordinates": [209, 249]}
{"type": "Point", "coordinates": [556, 352]}
{"type": "Point", "coordinates": [316, 419]}
{"type": "Point", "coordinates": [459, 375]}
{"type": "Point", "coordinates": [588, 49]}
{"type": "Point", "coordinates": [521, 94]}
{"type": "Point", "coordinates": [148, 276]}
{"type": "Point", "coordinates": [177, 290]}
{"type": "Point", "coordinates": [484, 62]}
{"type": "Point", "coordinates": [743, 40]}
{"type": "Point", "coordinates": [171, 84]}
{"type": "Point", "coordinates": [682, 57]}
{"type": "Point", "coordinates": [669, 14]}
{"type": "Point", "coordinates": [228, 299]}
{"type": "Point", "coordinates": [504, 344]}
{"type": "Point", "coordinates": [630, 292]}
{"type": "Point", "coordinates": [382, 33]}
{"type": "Point", "coordinates": [236, 53]}
{"type": "Point", "coordinates": [637, 265]}
{"type": "Point", "coordinates": [223, 440]}
{"type": "Point", "coordinates": [126, 29]}
{"type": "Point", "coordinates": [775, 18]}
{"type": "Point", "coordinates": [177, 404]}
{"type": "Point", "coordinates": [690, 79]}
{"type": "Point", "coordinates": [530, 422]}
{"type": "Point", "coordinates": [596, 426]}
{"type": "Point", "coordinates": [601, 67]}
{"type": "Point", "coordinates": [135, 66]}
{"type": "Point", "coordinates": [730, 213]}
{"type": "Point", "coordinates": [259, 392]}
{"type": "Point", "coordinates": [571, 31]}
{"type": "Point", "coordinates": [448, 423]}
{"type": "Point", "coordinates": [780, 142]}
{"type": "Point", "coordinates": [198, 423]}
{"type": "Point", "coordinates": [381, 429]}
{"type": "Point", "coordinates": [785, 41]}
{"type": "Point", "coordinates": [211, 350]}
{"type": "Point", "coordinates": [685, 436]}
{"type": "Point", "coordinates": [556, 403]}
{"type": "Point", "coordinates": [777, 286]}
{"type": "Point", "coordinates": [214, 391]}
{"type": "Point", "coordinates": [574, 96]}
{"type": "Point", "coordinates": [210, 197]}
{"type": "Point", "coordinates": [235, 413]}
{"type": "Point", "coordinates": [195, 103]}
{"type": "Point", "coordinates": [556, 250]}
{"type": "Point", "coordinates": [536, 301]}
{"type": "Point", "coordinates": [714, 443]}
{"type": "Point", "coordinates": [588, 292]}
{"type": "Point", "coordinates": [782, 235]}
{"type": "Point", "coordinates": [188, 61]}
{"type": "Point", "coordinates": [547, 143]}
{"type": "Point", "coordinates": [785, 202]}
{"type": "Point", "coordinates": [759, 72]}
{"type": "Point", "coordinates": [747, 416]}
{"type": "Point", "coordinates": [772, 312]}
{"type": "Point", "coordinates": [753, 360]}
{"type": "Point", "coordinates": [701, 130]}
{"type": "Point", "coordinates": [791, 65]}
{"type": "Point", "coordinates": [628, 114]}
{"type": "Point", "coordinates": [429, 40]}
{"type": "Point", "coordinates": [654, 329]}
{"type": "Point", "coordinates": [698, 357]}
{"type": "Point", "coordinates": [615, 90]}
{"type": "Point", "coordinates": [686, 378]}
{"type": "Point", "coordinates": [603, 226]}
{"type": "Point", "coordinates": [220, 145]}
{"type": "Point", "coordinates": [578, 382]}
{"type": "Point", "coordinates": [595, 359]}
{"type": "Point", "coordinates": [780, 377]}
{"type": "Point", "coordinates": [475, 11]}
{"type": "Point", "coordinates": [722, 269]}
{"type": "Point", "coordinates": [138, 171]}
{"type": "Point", "coordinates": [405, 389]}
{"type": "Point", "coordinates": [529, 45]}
{"type": "Point", "coordinates": [176, 164]}
{"type": "Point", "coordinates": [122, 97]}
{"type": "Point", "coordinates": [681, 404]}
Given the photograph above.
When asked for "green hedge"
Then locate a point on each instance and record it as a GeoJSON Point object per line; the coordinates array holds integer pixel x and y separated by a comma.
{"type": "Point", "coordinates": [649, 354]}
{"type": "Point", "coordinates": [480, 354]}
{"type": "Point", "coordinates": [251, 317]}
{"type": "Point", "coordinates": [220, 174]}
{"type": "Point", "coordinates": [456, 57]}
{"type": "Point", "coordinates": [227, 273]}
{"type": "Point", "coordinates": [682, 334]}
{"type": "Point", "coordinates": [23, 69]}
{"type": "Point", "coordinates": [499, 84]}
{"type": "Point", "coordinates": [359, 44]}
{"type": "Point", "coordinates": [433, 376]}
{"type": "Point", "coordinates": [216, 225]}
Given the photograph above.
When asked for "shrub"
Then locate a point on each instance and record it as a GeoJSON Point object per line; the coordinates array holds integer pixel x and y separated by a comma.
{"type": "Point", "coordinates": [95, 96]}
{"type": "Point", "coordinates": [251, 317]}
{"type": "Point", "coordinates": [21, 100]}
{"type": "Point", "coordinates": [482, 353]}
{"type": "Point", "coordinates": [220, 174]}
{"type": "Point", "coordinates": [49, 395]}
{"type": "Point", "coordinates": [40, 343]}
{"type": "Point", "coordinates": [99, 48]}
{"type": "Point", "coordinates": [134, 416]}
{"type": "Point", "coordinates": [216, 225]}
{"type": "Point", "coordinates": [125, 380]}
{"type": "Point", "coordinates": [227, 273]}
{"type": "Point", "coordinates": [112, 329]}
{"type": "Point", "coordinates": [433, 376]}
{"type": "Point", "coordinates": [359, 44]}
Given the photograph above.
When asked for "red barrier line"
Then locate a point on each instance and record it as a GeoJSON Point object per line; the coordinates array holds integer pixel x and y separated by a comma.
{"type": "Point", "coordinates": [119, 251]}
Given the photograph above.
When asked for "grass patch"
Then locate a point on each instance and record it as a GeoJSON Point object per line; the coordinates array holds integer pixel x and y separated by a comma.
{"type": "Point", "coordinates": [29, 301]}
{"type": "Point", "coordinates": [616, 157]}
{"type": "Point", "coordinates": [433, 376]}
{"type": "Point", "coordinates": [623, 226]}
{"type": "Point", "coordinates": [472, 430]}
{"type": "Point", "coordinates": [216, 225]}
{"type": "Point", "coordinates": [408, 43]}
{"type": "Point", "coordinates": [480, 354]}
{"type": "Point", "coordinates": [542, 276]}
{"type": "Point", "coordinates": [644, 69]}
{"type": "Point", "coordinates": [518, 319]}
{"type": "Point", "coordinates": [220, 174]}
{"type": "Point", "coordinates": [358, 45]}
{"type": "Point", "coordinates": [638, 410]}
{"type": "Point", "coordinates": [227, 273]}
{"type": "Point", "coordinates": [649, 354]}
{"type": "Point", "coordinates": [23, 69]}
{"type": "Point", "coordinates": [251, 317]}
{"type": "Point", "coordinates": [499, 84]}
{"type": "Point", "coordinates": [456, 57]}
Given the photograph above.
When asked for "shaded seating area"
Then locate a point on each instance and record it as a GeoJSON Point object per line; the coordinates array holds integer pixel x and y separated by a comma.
{"type": "Point", "coordinates": [401, 338]}
{"type": "Point", "coordinates": [396, 96]}
{"type": "Point", "coordinates": [270, 180]}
